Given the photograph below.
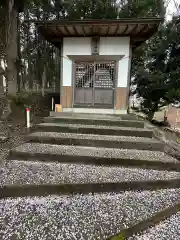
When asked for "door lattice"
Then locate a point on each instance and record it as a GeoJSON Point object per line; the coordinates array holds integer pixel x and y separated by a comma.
{"type": "Point", "coordinates": [94, 82]}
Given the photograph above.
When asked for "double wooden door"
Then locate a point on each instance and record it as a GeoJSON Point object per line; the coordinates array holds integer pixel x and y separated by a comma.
{"type": "Point", "coordinates": [94, 84]}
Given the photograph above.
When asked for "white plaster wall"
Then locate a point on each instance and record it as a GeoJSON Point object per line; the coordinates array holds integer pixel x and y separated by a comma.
{"type": "Point", "coordinates": [108, 46]}
{"type": "Point", "coordinates": [114, 45]}
{"type": "Point", "coordinates": [77, 46]}
{"type": "Point", "coordinates": [67, 72]}
{"type": "Point", "coordinates": [73, 46]}
{"type": "Point", "coordinates": [118, 46]}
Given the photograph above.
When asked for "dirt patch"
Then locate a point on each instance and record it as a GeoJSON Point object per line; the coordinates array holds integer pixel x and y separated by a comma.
{"type": "Point", "coordinates": [15, 121]}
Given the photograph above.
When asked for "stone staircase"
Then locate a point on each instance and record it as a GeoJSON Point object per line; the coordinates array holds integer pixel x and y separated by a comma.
{"type": "Point", "coordinates": [88, 177]}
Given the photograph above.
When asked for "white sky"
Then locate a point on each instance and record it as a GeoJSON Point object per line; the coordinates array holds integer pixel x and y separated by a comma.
{"type": "Point", "coordinates": [172, 8]}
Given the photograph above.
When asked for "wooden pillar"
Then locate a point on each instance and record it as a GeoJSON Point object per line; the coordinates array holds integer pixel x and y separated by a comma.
{"type": "Point", "coordinates": [66, 96]}
{"type": "Point", "coordinates": [121, 100]}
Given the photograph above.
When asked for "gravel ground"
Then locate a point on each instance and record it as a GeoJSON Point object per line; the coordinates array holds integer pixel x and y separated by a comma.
{"type": "Point", "coordinates": [168, 229]}
{"type": "Point", "coordinates": [20, 172]}
{"type": "Point", "coordinates": [79, 217]}
{"type": "Point", "coordinates": [93, 137]}
{"type": "Point", "coordinates": [94, 126]}
{"type": "Point", "coordinates": [96, 152]}
{"type": "Point", "coordinates": [6, 146]}
{"type": "Point", "coordinates": [17, 137]}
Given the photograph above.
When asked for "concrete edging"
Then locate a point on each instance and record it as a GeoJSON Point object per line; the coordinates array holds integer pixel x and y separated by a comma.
{"type": "Point", "coordinates": [150, 222]}
{"type": "Point", "coordinates": [85, 188]}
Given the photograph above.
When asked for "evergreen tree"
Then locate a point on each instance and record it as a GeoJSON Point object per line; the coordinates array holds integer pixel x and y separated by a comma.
{"type": "Point", "coordinates": [156, 69]}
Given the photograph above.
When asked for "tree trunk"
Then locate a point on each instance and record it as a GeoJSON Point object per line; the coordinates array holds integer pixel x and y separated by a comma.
{"type": "Point", "coordinates": [1, 85]}
{"type": "Point", "coordinates": [38, 59]}
{"type": "Point", "coordinates": [18, 57]}
{"type": "Point", "coordinates": [43, 80]}
{"type": "Point", "coordinates": [3, 82]}
{"type": "Point", "coordinates": [12, 53]}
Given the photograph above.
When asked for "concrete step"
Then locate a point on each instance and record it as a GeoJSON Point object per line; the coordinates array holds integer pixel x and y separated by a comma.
{"type": "Point", "coordinates": [4, 131]}
{"type": "Point", "coordinates": [84, 188]}
{"type": "Point", "coordinates": [96, 140]}
{"type": "Point", "coordinates": [66, 178]}
{"type": "Point", "coordinates": [95, 115]}
{"type": "Point", "coordinates": [95, 121]}
{"type": "Point", "coordinates": [91, 216]}
{"type": "Point", "coordinates": [3, 138]}
{"type": "Point", "coordinates": [92, 155]}
{"type": "Point", "coordinates": [165, 229]}
{"type": "Point", "coordinates": [95, 129]}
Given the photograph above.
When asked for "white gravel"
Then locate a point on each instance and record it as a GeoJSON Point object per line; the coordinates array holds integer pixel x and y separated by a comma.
{"type": "Point", "coordinates": [79, 217]}
{"type": "Point", "coordinates": [96, 152]}
{"type": "Point", "coordinates": [5, 147]}
{"type": "Point", "coordinates": [21, 172]}
{"type": "Point", "coordinates": [165, 230]}
{"type": "Point", "coordinates": [93, 137]}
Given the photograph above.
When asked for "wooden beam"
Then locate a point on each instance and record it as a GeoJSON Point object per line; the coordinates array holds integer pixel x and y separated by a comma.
{"type": "Point", "coordinates": [50, 31]}
{"type": "Point", "coordinates": [108, 30]}
{"type": "Point", "coordinates": [117, 28]}
{"type": "Point", "coordinates": [96, 31]}
{"type": "Point", "coordinates": [138, 39]}
{"type": "Point", "coordinates": [135, 27]}
{"type": "Point", "coordinates": [141, 30]}
{"type": "Point", "coordinates": [99, 30]}
{"type": "Point", "coordinates": [75, 30]}
{"type": "Point", "coordinates": [59, 30]}
{"type": "Point", "coordinates": [104, 21]}
{"type": "Point", "coordinates": [125, 30]}
{"type": "Point", "coordinates": [67, 31]}
{"type": "Point", "coordinates": [84, 31]}
{"type": "Point", "coordinates": [150, 31]}
{"type": "Point", "coordinates": [91, 27]}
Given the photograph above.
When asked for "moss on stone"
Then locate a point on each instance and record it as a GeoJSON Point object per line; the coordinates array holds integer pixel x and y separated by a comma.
{"type": "Point", "coordinates": [121, 236]}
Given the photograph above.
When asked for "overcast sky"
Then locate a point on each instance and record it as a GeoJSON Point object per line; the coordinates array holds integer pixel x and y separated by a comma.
{"type": "Point", "coordinates": [172, 8]}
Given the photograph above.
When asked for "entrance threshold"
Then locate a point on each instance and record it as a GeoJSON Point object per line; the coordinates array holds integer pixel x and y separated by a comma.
{"type": "Point", "coordinates": [94, 110]}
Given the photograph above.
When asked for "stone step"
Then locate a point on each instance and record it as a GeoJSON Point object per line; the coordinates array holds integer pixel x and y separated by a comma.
{"type": "Point", "coordinates": [14, 190]}
{"type": "Point", "coordinates": [158, 222]}
{"type": "Point", "coordinates": [77, 216]}
{"type": "Point", "coordinates": [92, 155]}
{"type": "Point", "coordinates": [95, 129]}
{"type": "Point", "coordinates": [55, 178]}
{"type": "Point", "coordinates": [95, 121]}
{"type": "Point", "coordinates": [4, 131]}
{"type": "Point", "coordinates": [95, 115]}
{"type": "Point", "coordinates": [3, 138]}
{"type": "Point", "coordinates": [166, 229]}
{"type": "Point", "coordinates": [96, 140]}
